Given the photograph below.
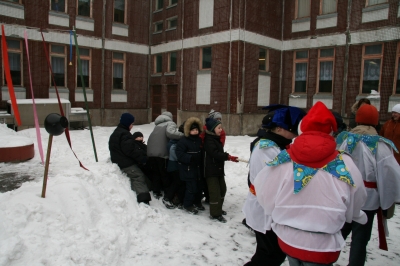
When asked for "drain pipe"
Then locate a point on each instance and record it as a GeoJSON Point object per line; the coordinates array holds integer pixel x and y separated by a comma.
{"type": "Point", "coordinates": [181, 79]}
{"type": "Point", "coordinates": [103, 40]}
{"type": "Point", "coordinates": [281, 63]}
{"type": "Point", "coordinates": [149, 65]}
{"type": "Point", "coordinates": [243, 62]}
{"type": "Point", "coordinates": [346, 59]}
{"type": "Point", "coordinates": [228, 109]}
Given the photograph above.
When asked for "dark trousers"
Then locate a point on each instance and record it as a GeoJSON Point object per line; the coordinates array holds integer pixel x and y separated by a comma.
{"type": "Point", "coordinates": [138, 183]}
{"type": "Point", "coordinates": [177, 187]}
{"type": "Point", "coordinates": [217, 191]}
{"type": "Point", "coordinates": [159, 176]}
{"type": "Point", "coordinates": [192, 193]}
{"type": "Point", "coordinates": [296, 262]}
{"type": "Point", "coordinates": [268, 252]}
{"type": "Point", "coordinates": [204, 189]}
{"type": "Point", "coordinates": [361, 234]}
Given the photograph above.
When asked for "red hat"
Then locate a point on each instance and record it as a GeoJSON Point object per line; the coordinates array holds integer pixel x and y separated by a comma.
{"type": "Point", "coordinates": [319, 118]}
{"type": "Point", "coordinates": [367, 115]}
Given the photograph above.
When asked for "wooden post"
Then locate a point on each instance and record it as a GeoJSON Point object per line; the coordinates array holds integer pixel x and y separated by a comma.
{"type": "Point", "coordinates": [46, 169]}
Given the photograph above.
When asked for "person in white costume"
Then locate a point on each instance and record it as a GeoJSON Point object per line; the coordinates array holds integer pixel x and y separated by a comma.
{"type": "Point", "coordinates": [310, 190]}
{"type": "Point", "coordinates": [280, 127]}
{"type": "Point", "coordinates": [380, 171]}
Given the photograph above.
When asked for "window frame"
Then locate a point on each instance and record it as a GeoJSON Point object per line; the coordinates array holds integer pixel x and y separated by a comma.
{"type": "Point", "coordinates": [88, 58]}
{"type": "Point", "coordinates": [119, 61]}
{"type": "Point", "coordinates": [367, 3]}
{"type": "Point", "coordinates": [65, 64]}
{"type": "Point", "coordinates": [65, 7]}
{"type": "Point", "coordinates": [90, 11]}
{"type": "Point", "coordinates": [155, 64]}
{"type": "Point", "coordinates": [321, 7]}
{"type": "Point", "coordinates": [20, 51]}
{"type": "Point", "coordinates": [300, 60]}
{"type": "Point", "coordinates": [161, 22]}
{"type": "Point", "coordinates": [396, 70]}
{"type": "Point", "coordinates": [125, 13]}
{"type": "Point", "coordinates": [15, 2]}
{"type": "Point", "coordinates": [266, 63]}
{"type": "Point", "coordinates": [172, 4]}
{"type": "Point", "coordinates": [297, 10]}
{"type": "Point", "coordinates": [201, 58]}
{"type": "Point", "coordinates": [169, 61]}
{"type": "Point", "coordinates": [369, 57]}
{"type": "Point", "coordinates": [326, 59]}
{"type": "Point", "coordinates": [157, 6]}
{"type": "Point", "coordinates": [169, 23]}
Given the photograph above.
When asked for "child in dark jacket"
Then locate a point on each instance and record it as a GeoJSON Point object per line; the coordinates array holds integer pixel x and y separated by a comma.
{"type": "Point", "coordinates": [141, 159]}
{"type": "Point", "coordinates": [188, 152]}
{"type": "Point", "coordinates": [214, 163]}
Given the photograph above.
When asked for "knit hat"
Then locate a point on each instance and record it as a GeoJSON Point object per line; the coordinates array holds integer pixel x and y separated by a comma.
{"type": "Point", "coordinates": [211, 124]}
{"type": "Point", "coordinates": [127, 119]}
{"type": "Point", "coordinates": [137, 134]}
{"type": "Point", "coordinates": [214, 114]}
{"type": "Point", "coordinates": [194, 125]}
{"type": "Point", "coordinates": [367, 115]}
{"type": "Point", "coordinates": [287, 117]}
{"type": "Point", "coordinates": [396, 108]}
{"type": "Point", "coordinates": [319, 118]}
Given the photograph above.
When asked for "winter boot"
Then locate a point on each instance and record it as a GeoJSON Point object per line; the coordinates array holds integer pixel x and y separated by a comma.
{"type": "Point", "coordinates": [168, 204]}
{"type": "Point", "coordinates": [199, 207]}
{"type": "Point", "coordinates": [157, 195]}
{"type": "Point", "coordinates": [218, 218]}
{"type": "Point", "coordinates": [223, 212]}
{"type": "Point", "coordinates": [191, 209]}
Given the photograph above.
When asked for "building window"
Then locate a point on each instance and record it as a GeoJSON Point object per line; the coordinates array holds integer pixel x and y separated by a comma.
{"type": "Point", "coordinates": [84, 8]}
{"type": "Point", "coordinates": [326, 60]}
{"type": "Point", "coordinates": [159, 4]}
{"type": "Point", "coordinates": [206, 13]}
{"type": "Point", "coordinates": [15, 1]}
{"type": "Point", "coordinates": [328, 6]}
{"type": "Point", "coordinates": [205, 58]}
{"type": "Point", "coordinates": [173, 2]}
{"type": "Point", "coordinates": [172, 61]}
{"type": "Point", "coordinates": [397, 73]}
{"type": "Point", "coordinates": [58, 54]}
{"type": "Point", "coordinates": [302, 8]}
{"type": "Point", "coordinates": [376, 2]}
{"type": "Point", "coordinates": [158, 63]}
{"type": "Point", "coordinates": [172, 23]}
{"type": "Point", "coordinates": [84, 54]}
{"type": "Point", "coordinates": [119, 11]}
{"type": "Point", "coordinates": [263, 60]}
{"type": "Point", "coordinates": [158, 26]}
{"type": "Point", "coordinates": [58, 5]}
{"type": "Point", "coordinates": [14, 51]}
{"type": "Point", "coordinates": [118, 70]}
{"type": "Point", "coordinates": [371, 67]}
{"type": "Point", "coordinates": [300, 73]}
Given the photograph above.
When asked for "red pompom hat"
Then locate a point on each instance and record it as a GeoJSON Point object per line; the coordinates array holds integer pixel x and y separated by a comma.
{"type": "Point", "coordinates": [367, 115]}
{"type": "Point", "coordinates": [319, 118]}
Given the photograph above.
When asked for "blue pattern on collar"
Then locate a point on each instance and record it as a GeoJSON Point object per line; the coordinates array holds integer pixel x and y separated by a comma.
{"type": "Point", "coordinates": [371, 141]}
{"type": "Point", "coordinates": [266, 143]}
{"type": "Point", "coordinates": [303, 174]}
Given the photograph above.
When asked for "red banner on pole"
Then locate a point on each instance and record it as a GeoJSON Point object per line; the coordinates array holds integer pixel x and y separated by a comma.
{"type": "Point", "coordinates": [8, 77]}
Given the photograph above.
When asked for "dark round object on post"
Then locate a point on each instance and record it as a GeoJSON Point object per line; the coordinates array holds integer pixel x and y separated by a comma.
{"type": "Point", "coordinates": [55, 124]}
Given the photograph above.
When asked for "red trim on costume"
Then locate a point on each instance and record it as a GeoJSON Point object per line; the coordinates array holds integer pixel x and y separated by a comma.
{"type": "Point", "coordinates": [370, 184]}
{"type": "Point", "coordinates": [309, 256]}
{"type": "Point", "coordinates": [252, 189]}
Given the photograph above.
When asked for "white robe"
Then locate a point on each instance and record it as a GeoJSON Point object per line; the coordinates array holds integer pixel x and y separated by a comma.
{"type": "Point", "coordinates": [254, 213]}
{"type": "Point", "coordinates": [312, 219]}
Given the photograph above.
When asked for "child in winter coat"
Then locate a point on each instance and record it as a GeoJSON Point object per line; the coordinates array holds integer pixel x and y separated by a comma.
{"type": "Point", "coordinates": [214, 163]}
{"type": "Point", "coordinates": [188, 153]}
{"type": "Point", "coordinates": [373, 156]}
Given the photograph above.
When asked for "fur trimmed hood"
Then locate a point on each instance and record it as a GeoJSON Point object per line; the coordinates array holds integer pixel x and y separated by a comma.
{"type": "Point", "coordinates": [188, 124]}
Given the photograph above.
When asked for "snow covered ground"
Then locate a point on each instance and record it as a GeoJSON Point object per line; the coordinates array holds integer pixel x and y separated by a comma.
{"type": "Point", "coordinates": [92, 217]}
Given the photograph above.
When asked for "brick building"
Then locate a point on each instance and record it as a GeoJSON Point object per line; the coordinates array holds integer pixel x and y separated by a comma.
{"type": "Point", "coordinates": [191, 56]}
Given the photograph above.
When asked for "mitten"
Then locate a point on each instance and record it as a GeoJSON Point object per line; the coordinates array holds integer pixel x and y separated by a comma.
{"type": "Point", "coordinates": [233, 158]}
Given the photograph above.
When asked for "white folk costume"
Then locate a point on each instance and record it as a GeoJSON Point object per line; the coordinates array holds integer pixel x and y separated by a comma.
{"type": "Point", "coordinates": [310, 190]}
{"type": "Point", "coordinates": [373, 156]}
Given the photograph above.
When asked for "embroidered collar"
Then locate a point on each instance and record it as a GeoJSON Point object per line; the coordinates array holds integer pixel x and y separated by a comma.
{"type": "Point", "coordinates": [303, 174]}
{"type": "Point", "coordinates": [371, 141]}
{"type": "Point", "coordinates": [266, 143]}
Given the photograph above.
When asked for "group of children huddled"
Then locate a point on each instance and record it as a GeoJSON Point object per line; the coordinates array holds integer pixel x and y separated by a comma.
{"type": "Point", "coordinates": [187, 163]}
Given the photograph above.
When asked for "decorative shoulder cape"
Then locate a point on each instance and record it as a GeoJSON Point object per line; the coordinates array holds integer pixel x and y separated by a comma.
{"type": "Point", "coordinates": [303, 174]}
{"type": "Point", "coordinates": [371, 141]}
